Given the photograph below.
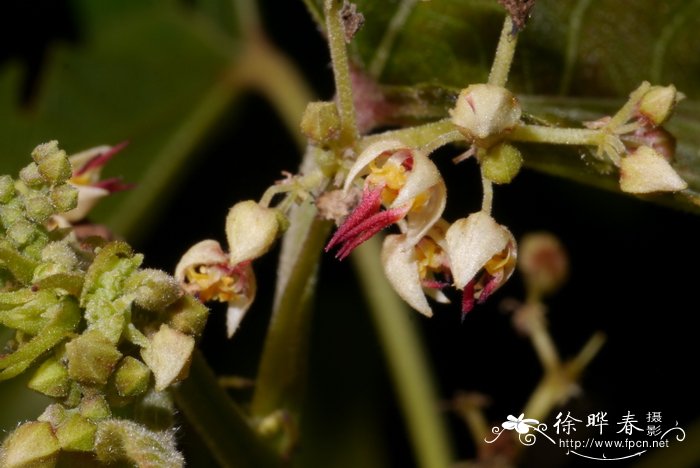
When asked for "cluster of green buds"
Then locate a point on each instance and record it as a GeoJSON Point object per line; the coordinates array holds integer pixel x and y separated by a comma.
{"type": "Point", "coordinates": [98, 332]}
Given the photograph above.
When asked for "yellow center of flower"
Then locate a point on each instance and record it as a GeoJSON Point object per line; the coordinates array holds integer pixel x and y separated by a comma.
{"type": "Point", "coordinates": [429, 257]}
{"type": "Point", "coordinates": [391, 175]}
{"type": "Point", "coordinates": [500, 261]}
{"type": "Point", "coordinates": [82, 179]}
{"type": "Point", "coordinates": [211, 283]}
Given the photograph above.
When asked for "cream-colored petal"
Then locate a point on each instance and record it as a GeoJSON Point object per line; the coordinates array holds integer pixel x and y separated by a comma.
{"type": "Point", "coordinates": [646, 171]}
{"type": "Point", "coordinates": [206, 252]}
{"type": "Point", "coordinates": [168, 355]}
{"type": "Point", "coordinates": [420, 222]}
{"type": "Point", "coordinates": [371, 153]}
{"type": "Point", "coordinates": [471, 242]}
{"type": "Point", "coordinates": [251, 230]}
{"type": "Point", "coordinates": [78, 160]}
{"type": "Point", "coordinates": [88, 197]}
{"type": "Point", "coordinates": [421, 177]}
{"type": "Point", "coordinates": [484, 110]}
{"type": "Point", "coordinates": [238, 307]}
{"type": "Point", "coordinates": [437, 295]}
{"type": "Point", "coordinates": [399, 262]}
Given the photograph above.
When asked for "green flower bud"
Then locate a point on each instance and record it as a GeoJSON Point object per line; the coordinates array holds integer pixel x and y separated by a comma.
{"type": "Point", "coordinates": [94, 407]}
{"type": "Point", "coordinates": [251, 230]}
{"type": "Point", "coordinates": [76, 433]}
{"type": "Point", "coordinates": [31, 445]}
{"type": "Point", "coordinates": [21, 232]}
{"type": "Point", "coordinates": [51, 378]}
{"type": "Point", "coordinates": [39, 207]}
{"type": "Point", "coordinates": [109, 317]}
{"type": "Point", "coordinates": [187, 315]}
{"type": "Point", "coordinates": [501, 163]}
{"type": "Point", "coordinates": [153, 290]}
{"type": "Point", "coordinates": [91, 358]}
{"type": "Point", "coordinates": [54, 414]}
{"type": "Point", "coordinates": [320, 122]}
{"type": "Point", "coordinates": [483, 113]}
{"type": "Point", "coordinates": [64, 198]}
{"type": "Point", "coordinates": [7, 189]}
{"type": "Point", "coordinates": [123, 440]}
{"type": "Point", "coordinates": [44, 150]}
{"type": "Point", "coordinates": [11, 212]}
{"type": "Point", "coordinates": [155, 410]}
{"type": "Point", "coordinates": [61, 254]}
{"type": "Point", "coordinates": [31, 176]}
{"type": "Point", "coordinates": [168, 356]}
{"type": "Point", "coordinates": [55, 168]}
{"type": "Point", "coordinates": [131, 377]}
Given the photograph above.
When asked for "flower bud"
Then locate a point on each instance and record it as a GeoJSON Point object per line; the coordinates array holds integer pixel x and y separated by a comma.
{"type": "Point", "coordinates": [187, 315]}
{"type": "Point", "coordinates": [131, 377]}
{"type": "Point", "coordinates": [88, 196]}
{"type": "Point", "coordinates": [543, 262]}
{"type": "Point", "coordinates": [94, 407]}
{"type": "Point", "coordinates": [153, 290]}
{"type": "Point", "coordinates": [32, 444]}
{"type": "Point", "coordinates": [51, 378]}
{"type": "Point", "coordinates": [30, 175]}
{"type": "Point", "coordinates": [91, 358]}
{"type": "Point", "coordinates": [646, 171]}
{"type": "Point", "coordinates": [501, 163]}
{"type": "Point", "coordinates": [7, 189]}
{"type": "Point", "coordinates": [39, 207]}
{"type": "Point", "coordinates": [320, 122]}
{"type": "Point", "coordinates": [120, 440]}
{"type": "Point", "coordinates": [168, 356]}
{"type": "Point", "coordinates": [54, 414]}
{"type": "Point", "coordinates": [55, 168]}
{"type": "Point", "coordinates": [658, 103]}
{"type": "Point", "coordinates": [21, 232]}
{"type": "Point", "coordinates": [64, 198]}
{"type": "Point", "coordinates": [250, 230]}
{"type": "Point", "coordinates": [76, 433]}
{"type": "Point", "coordinates": [484, 112]}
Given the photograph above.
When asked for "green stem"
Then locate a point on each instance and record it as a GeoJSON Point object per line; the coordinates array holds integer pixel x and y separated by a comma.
{"type": "Point", "coordinates": [220, 424]}
{"type": "Point", "coordinates": [168, 161]}
{"type": "Point", "coordinates": [428, 136]}
{"type": "Point", "coordinates": [376, 67]}
{"type": "Point", "coordinates": [407, 364]}
{"type": "Point", "coordinates": [556, 135]}
{"type": "Point", "coordinates": [282, 373]}
{"type": "Point", "coordinates": [504, 54]}
{"type": "Point", "coordinates": [341, 72]}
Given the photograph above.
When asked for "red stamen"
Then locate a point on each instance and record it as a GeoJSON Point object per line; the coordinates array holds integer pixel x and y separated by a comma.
{"type": "Point", "coordinates": [467, 299]}
{"type": "Point", "coordinates": [368, 206]}
{"type": "Point", "coordinates": [367, 228]}
{"type": "Point", "coordinates": [434, 284]}
{"type": "Point", "coordinates": [490, 286]}
{"type": "Point", "coordinates": [112, 185]}
{"type": "Point", "coordinates": [101, 159]}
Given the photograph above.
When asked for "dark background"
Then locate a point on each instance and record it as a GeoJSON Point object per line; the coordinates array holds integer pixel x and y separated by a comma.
{"type": "Point", "coordinates": [632, 277]}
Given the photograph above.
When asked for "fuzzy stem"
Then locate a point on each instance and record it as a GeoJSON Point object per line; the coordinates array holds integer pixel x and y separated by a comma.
{"type": "Point", "coordinates": [487, 201]}
{"type": "Point", "coordinates": [556, 135]}
{"type": "Point", "coordinates": [504, 54]}
{"type": "Point", "coordinates": [217, 420]}
{"type": "Point", "coordinates": [407, 364]}
{"type": "Point", "coordinates": [341, 72]}
{"type": "Point", "coordinates": [428, 136]}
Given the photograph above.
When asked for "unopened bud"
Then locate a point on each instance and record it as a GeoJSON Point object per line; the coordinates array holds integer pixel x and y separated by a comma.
{"type": "Point", "coordinates": [646, 171]}
{"type": "Point", "coordinates": [320, 122]}
{"type": "Point", "coordinates": [168, 356]}
{"type": "Point", "coordinates": [51, 378]}
{"type": "Point", "coordinates": [55, 168]}
{"type": "Point", "coordinates": [7, 189]}
{"type": "Point", "coordinates": [543, 262]}
{"type": "Point", "coordinates": [39, 207]}
{"type": "Point", "coordinates": [30, 175]}
{"type": "Point", "coordinates": [251, 230]}
{"type": "Point", "coordinates": [54, 414]}
{"type": "Point", "coordinates": [131, 377]}
{"type": "Point", "coordinates": [64, 198]}
{"type": "Point", "coordinates": [32, 444]}
{"type": "Point", "coordinates": [21, 232]}
{"type": "Point", "coordinates": [484, 112]}
{"type": "Point", "coordinates": [121, 440]}
{"type": "Point", "coordinates": [94, 407]}
{"type": "Point", "coordinates": [658, 103]}
{"type": "Point", "coordinates": [76, 433]}
{"type": "Point", "coordinates": [91, 357]}
{"type": "Point", "coordinates": [501, 163]}
{"type": "Point", "coordinates": [154, 290]}
{"type": "Point", "coordinates": [187, 315]}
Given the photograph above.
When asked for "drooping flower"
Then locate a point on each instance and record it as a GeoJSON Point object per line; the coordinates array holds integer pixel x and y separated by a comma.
{"type": "Point", "coordinates": [417, 270]}
{"type": "Point", "coordinates": [482, 257]}
{"type": "Point", "coordinates": [401, 179]}
{"type": "Point", "coordinates": [87, 168]}
{"type": "Point", "coordinates": [211, 274]}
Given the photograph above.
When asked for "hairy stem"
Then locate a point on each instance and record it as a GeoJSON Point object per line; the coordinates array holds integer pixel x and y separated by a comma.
{"type": "Point", "coordinates": [407, 363]}
{"type": "Point", "coordinates": [556, 135]}
{"type": "Point", "coordinates": [504, 54]}
{"type": "Point", "coordinates": [341, 72]}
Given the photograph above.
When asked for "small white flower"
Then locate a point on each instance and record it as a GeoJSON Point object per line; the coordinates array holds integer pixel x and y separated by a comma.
{"type": "Point", "coordinates": [521, 425]}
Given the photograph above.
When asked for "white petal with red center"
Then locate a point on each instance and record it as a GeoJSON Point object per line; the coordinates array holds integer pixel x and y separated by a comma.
{"type": "Point", "coordinates": [206, 252]}
{"type": "Point", "coordinates": [471, 243]}
{"type": "Point", "coordinates": [401, 269]}
{"type": "Point", "coordinates": [423, 175]}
